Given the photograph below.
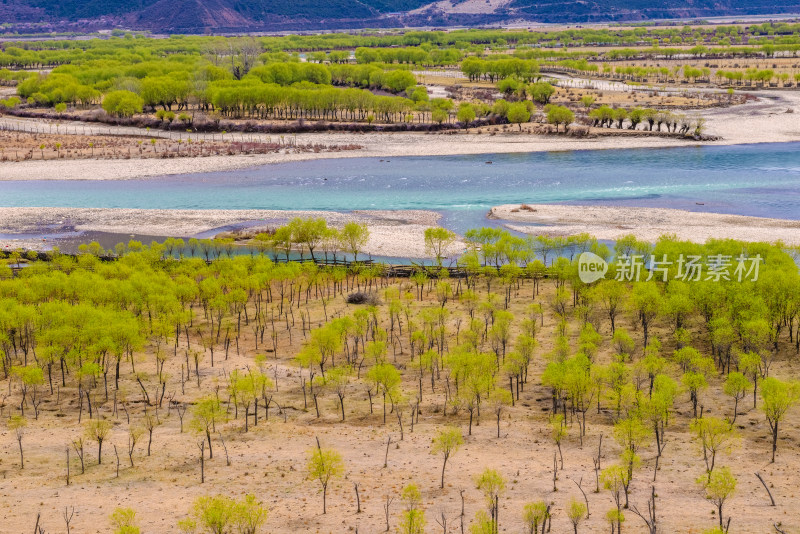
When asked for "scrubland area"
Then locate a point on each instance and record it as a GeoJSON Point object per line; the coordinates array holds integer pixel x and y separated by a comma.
{"type": "Point", "coordinates": [538, 386]}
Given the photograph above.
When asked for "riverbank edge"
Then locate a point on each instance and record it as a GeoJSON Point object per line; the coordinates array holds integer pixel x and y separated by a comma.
{"type": "Point", "coordinates": [647, 224]}
{"type": "Point", "coordinates": [393, 233]}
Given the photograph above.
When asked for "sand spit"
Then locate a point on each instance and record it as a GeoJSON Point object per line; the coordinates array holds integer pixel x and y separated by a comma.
{"type": "Point", "coordinates": [392, 233]}
{"type": "Point", "coordinates": [377, 145]}
{"type": "Point", "coordinates": [608, 222]}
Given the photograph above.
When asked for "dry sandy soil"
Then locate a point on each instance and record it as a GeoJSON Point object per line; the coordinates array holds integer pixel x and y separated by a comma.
{"type": "Point", "coordinates": [269, 460]}
{"type": "Point", "coordinates": [648, 224]}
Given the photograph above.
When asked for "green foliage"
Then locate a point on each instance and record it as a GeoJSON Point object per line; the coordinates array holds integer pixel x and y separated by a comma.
{"type": "Point", "coordinates": [517, 113]}
{"type": "Point", "coordinates": [124, 521]}
{"type": "Point", "coordinates": [466, 114]}
{"type": "Point", "coordinates": [714, 435]}
{"type": "Point", "coordinates": [560, 115]}
{"type": "Point", "coordinates": [535, 514]}
{"type": "Point", "coordinates": [220, 514]}
{"type": "Point", "coordinates": [354, 237]}
{"type": "Point", "coordinates": [97, 430]}
{"type": "Point", "coordinates": [413, 520]}
{"type": "Point", "coordinates": [324, 465]}
{"type": "Point", "coordinates": [778, 397]}
{"type": "Point", "coordinates": [542, 92]}
{"type": "Point", "coordinates": [438, 242]}
{"type": "Point", "coordinates": [206, 413]}
{"type": "Point", "coordinates": [719, 487]}
{"type": "Point", "coordinates": [483, 524]}
{"type": "Point", "coordinates": [122, 103]}
{"type": "Point", "coordinates": [447, 442]}
{"type": "Point", "coordinates": [17, 423]}
{"type": "Point", "coordinates": [576, 512]}
{"type": "Point", "coordinates": [491, 484]}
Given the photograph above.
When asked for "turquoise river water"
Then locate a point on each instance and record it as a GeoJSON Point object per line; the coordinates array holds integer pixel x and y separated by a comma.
{"type": "Point", "coordinates": [761, 180]}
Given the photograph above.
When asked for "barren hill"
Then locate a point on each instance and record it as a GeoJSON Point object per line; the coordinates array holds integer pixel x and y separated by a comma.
{"type": "Point", "coordinates": [198, 16]}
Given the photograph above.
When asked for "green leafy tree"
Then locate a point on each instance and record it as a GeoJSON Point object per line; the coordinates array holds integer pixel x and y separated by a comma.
{"type": "Point", "coordinates": [413, 521]}
{"type": "Point", "coordinates": [249, 515]}
{"type": "Point", "coordinates": [214, 513]}
{"type": "Point", "coordinates": [438, 241]}
{"type": "Point", "coordinates": [719, 488]}
{"type": "Point", "coordinates": [646, 303]}
{"type": "Point", "coordinates": [338, 380]}
{"type": "Point", "coordinates": [616, 480]}
{"type": "Point", "coordinates": [535, 514]}
{"type": "Point", "coordinates": [324, 465]}
{"type": "Point", "coordinates": [610, 294]}
{"type": "Point", "coordinates": [205, 415]}
{"type": "Point", "coordinates": [354, 237]}
{"type": "Point", "coordinates": [386, 378]}
{"type": "Point", "coordinates": [631, 434]}
{"type": "Point", "coordinates": [482, 524]}
{"type": "Point", "coordinates": [98, 430]}
{"type": "Point", "coordinates": [736, 385]}
{"type": "Point", "coordinates": [447, 442]}
{"type": "Point", "coordinates": [499, 399]}
{"type": "Point", "coordinates": [222, 515]}
{"type": "Point", "coordinates": [560, 115]}
{"type": "Point", "coordinates": [777, 397]}
{"type": "Point", "coordinates": [465, 114]}
{"type": "Point", "coordinates": [714, 435]}
{"type": "Point", "coordinates": [576, 512]}
{"type": "Point", "coordinates": [750, 363]}
{"type": "Point", "coordinates": [122, 103]}
{"type": "Point", "coordinates": [541, 92]}
{"type": "Point", "coordinates": [492, 485]}
{"type": "Point", "coordinates": [518, 113]}
{"type": "Point", "coordinates": [30, 377]}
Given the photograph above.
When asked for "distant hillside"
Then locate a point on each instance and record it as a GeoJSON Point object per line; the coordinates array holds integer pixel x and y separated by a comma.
{"type": "Point", "coordinates": [617, 10]}
{"type": "Point", "coordinates": [197, 16]}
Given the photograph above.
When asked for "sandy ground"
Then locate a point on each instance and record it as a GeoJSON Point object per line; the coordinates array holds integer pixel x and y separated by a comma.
{"type": "Point", "coordinates": [392, 233]}
{"type": "Point", "coordinates": [269, 460]}
{"type": "Point", "coordinates": [375, 145]}
{"type": "Point", "coordinates": [762, 121]}
{"type": "Point", "coordinates": [608, 222]}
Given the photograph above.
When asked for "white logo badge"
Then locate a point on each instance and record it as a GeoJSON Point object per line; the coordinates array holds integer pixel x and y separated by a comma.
{"type": "Point", "coordinates": [591, 267]}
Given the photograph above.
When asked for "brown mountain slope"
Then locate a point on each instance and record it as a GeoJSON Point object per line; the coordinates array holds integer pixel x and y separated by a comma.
{"type": "Point", "coordinates": [189, 15]}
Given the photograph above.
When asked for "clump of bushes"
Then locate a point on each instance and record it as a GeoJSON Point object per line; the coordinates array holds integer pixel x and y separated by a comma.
{"type": "Point", "coordinates": [363, 297]}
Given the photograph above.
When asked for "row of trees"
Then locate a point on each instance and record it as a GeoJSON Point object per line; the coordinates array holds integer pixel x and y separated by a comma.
{"type": "Point", "coordinates": [497, 69]}
{"type": "Point", "coordinates": [53, 52]}
{"type": "Point", "coordinates": [199, 83]}
{"type": "Point", "coordinates": [302, 234]}
{"type": "Point", "coordinates": [750, 76]}
{"type": "Point", "coordinates": [608, 117]}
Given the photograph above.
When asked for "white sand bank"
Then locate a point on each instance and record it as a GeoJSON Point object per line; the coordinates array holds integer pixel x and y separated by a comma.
{"type": "Point", "coordinates": [608, 222]}
{"type": "Point", "coordinates": [392, 233]}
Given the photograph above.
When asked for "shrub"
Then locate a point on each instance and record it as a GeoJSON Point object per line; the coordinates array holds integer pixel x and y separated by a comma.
{"type": "Point", "coordinates": [363, 297]}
